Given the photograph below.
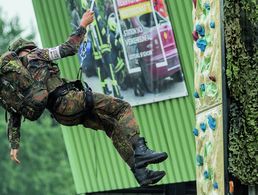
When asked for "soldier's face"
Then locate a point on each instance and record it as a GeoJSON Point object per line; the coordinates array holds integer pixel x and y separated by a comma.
{"type": "Point", "coordinates": [24, 52]}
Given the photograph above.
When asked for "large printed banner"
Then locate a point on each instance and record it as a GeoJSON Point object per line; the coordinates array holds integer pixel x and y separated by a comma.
{"type": "Point", "coordinates": [130, 50]}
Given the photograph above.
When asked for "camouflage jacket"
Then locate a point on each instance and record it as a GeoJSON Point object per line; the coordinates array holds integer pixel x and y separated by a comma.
{"type": "Point", "coordinates": [40, 63]}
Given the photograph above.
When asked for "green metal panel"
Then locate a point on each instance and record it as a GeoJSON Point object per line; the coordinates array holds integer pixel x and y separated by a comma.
{"type": "Point", "coordinates": [167, 125]}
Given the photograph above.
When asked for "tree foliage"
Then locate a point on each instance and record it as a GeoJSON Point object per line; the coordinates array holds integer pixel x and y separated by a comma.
{"type": "Point", "coordinates": [241, 27]}
{"type": "Point", "coordinates": [44, 168]}
{"type": "Point", "coordinates": [9, 30]}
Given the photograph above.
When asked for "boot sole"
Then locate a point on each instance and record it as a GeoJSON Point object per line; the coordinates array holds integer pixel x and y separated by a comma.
{"type": "Point", "coordinates": [153, 180]}
{"type": "Point", "coordinates": [145, 163]}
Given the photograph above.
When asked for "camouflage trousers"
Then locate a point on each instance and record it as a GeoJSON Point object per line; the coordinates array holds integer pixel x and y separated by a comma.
{"type": "Point", "coordinates": [112, 115]}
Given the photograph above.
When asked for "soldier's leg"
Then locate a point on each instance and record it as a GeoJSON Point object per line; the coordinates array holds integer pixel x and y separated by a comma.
{"type": "Point", "coordinates": [109, 114]}
{"type": "Point", "coordinates": [115, 117]}
{"type": "Point", "coordinates": [121, 126]}
{"type": "Point", "coordinates": [119, 123]}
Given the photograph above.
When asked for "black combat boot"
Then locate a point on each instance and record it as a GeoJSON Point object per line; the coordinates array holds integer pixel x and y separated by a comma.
{"type": "Point", "coordinates": [147, 177]}
{"type": "Point", "coordinates": [144, 156]}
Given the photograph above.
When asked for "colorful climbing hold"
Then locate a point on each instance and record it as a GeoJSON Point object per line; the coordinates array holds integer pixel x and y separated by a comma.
{"type": "Point", "coordinates": [200, 30]}
{"type": "Point", "coordinates": [212, 24]}
{"type": "Point", "coordinates": [212, 78]}
{"type": "Point", "coordinates": [201, 44]}
{"type": "Point", "coordinates": [196, 95]}
{"type": "Point", "coordinates": [195, 132]}
{"type": "Point", "coordinates": [203, 126]}
{"type": "Point", "coordinates": [195, 35]}
{"type": "Point", "coordinates": [202, 87]}
{"type": "Point", "coordinates": [207, 6]}
{"type": "Point", "coordinates": [199, 160]}
{"type": "Point", "coordinates": [215, 185]}
{"type": "Point", "coordinates": [206, 174]}
{"type": "Point", "coordinates": [211, 122]}
{"type": "Point", "coordinates": [194, 2]}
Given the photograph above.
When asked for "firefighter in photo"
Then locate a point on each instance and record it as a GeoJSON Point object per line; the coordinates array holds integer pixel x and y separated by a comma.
{"type": "Point", "coordinates": [116, 51]}
{"type": "Point", "coordinates": [31, 72]}
{"type": "Point", "coordinates": [101, 51]}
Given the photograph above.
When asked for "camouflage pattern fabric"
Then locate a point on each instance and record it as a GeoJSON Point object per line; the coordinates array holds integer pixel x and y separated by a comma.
{"type": "Point", "coordinates": [112, 115]}
{"type": "Point", "coordinates": [13, 131]}
{"type": "Point", "coordinates": [21, 44]}
{"type": "Point", "coordinates": [19, 92]}
{"type": "Point", "coordinates": [40, 65]}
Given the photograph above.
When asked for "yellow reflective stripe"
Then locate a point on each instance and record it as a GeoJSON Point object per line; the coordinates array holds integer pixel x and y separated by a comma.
{"type": "Point", "coordinates": [105, 47]}
{"type": "Point", "coordinates": [120, 65]}
{"type": "Point", "coordinates": [105, 50]}
{"type": "Point", "coordinates": [102, 83]}
{"type": "Point", "coordinates": [116, 41]}
{"type": "Point", "coordinates": [114, 83]}
{"type": "Point", "coordinates": [106, 81]}
{"type": "Point", "coordinates": [98, 34]}
{"type": "Point", "coordinates": [113, 80]}
{"type": "Point", "coordinates": [120, 62]}
{"type": "Point", "coordinates": [103, 31]}
{"type": "Point", "coordinates": [97, 55]}
{"type": "Point", "coordinates": [112, 72]}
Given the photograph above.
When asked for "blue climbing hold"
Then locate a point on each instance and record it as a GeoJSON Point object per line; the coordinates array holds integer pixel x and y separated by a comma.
{"type": "Point", "coordinates": [196, 95]}
{"type": "Point", "coordinates": [206, 174]}
{"type": "Point", "coordinates": [207, 6]}
{"type": "Point", "coordinates": [201, 44]}
{"type": "Point", "coordinates": [203, 127]}
{"type": "Point", "coordinates": [211, 122]}
{"type": "Point", "coordinates": [203, 87]}
{"type": "Point", "coordinates": [212, 24]}
{"type": "Point", "coordinates": [215, 185]}
{"type": "Point", "coordinates": [195, 132]}
{"type": "Point", "coordinates": [200, 30]}
{"type": "Point", "coordinates": [199, 160]}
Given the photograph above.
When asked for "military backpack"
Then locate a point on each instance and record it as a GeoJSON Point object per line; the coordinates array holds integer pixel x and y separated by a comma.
{"type": "Point", "coordinates": [19, 92]}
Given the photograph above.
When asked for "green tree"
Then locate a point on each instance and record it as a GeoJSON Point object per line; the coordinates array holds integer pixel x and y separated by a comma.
{"type": "Point", "coordinates": [44, 168]}
{"type": "Point", "coordinates": [9, 30]}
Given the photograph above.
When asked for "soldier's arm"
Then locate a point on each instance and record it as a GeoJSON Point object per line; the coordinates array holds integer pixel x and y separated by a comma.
{"type": "Point", "coordinates": [71, 46]}
{"type": "Point", "coordinates": [13, 133]}
{"type": "Point", "coordinates": [13, 130]}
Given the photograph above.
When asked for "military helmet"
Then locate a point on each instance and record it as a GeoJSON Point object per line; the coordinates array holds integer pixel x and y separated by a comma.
{"type": "Point", "coordinates": [21, 44]}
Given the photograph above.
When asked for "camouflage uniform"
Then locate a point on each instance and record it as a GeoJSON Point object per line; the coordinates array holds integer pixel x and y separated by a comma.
{"type": "Point", "coordinates": [109, 114]}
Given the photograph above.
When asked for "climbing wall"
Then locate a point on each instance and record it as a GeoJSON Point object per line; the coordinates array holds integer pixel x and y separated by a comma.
{"type": "Point", "coordinates": [208, 97]}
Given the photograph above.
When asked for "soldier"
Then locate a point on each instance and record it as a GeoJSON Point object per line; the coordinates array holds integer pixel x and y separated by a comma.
{"type": "Point", "coordinates": [71, 104]}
